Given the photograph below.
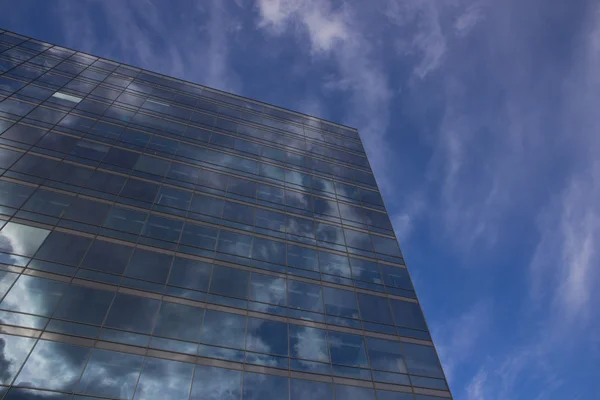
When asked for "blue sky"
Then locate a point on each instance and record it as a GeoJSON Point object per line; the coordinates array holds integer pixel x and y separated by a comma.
{"type": "Point", "coordinates": [481, 122]}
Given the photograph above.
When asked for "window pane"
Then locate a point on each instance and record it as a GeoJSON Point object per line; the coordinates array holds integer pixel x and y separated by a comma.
{"type": "Point", "coordinates": [33, 295]}
{"type": "Point", "coordinates": [132, 313]}
{"type": "Point", "coordinates": [53, 365]}
{"type": "Point", "coordinates": [301, 390]}
{"type": "Point", "coordinates": [108, 257]}
{"type": "Point", "coordinates": [395, 276]}
{"type": "Point", "coordinates": [268, 250]}
{"type": "Point", "coordinates": [87, 211]}
{"type": "Point", "coordinates": [64, 248]}
{"type": "Point", "coordinates": [267, 289]}
{"type": "Point", "coordinates": [164, 379]}
{"type": "Point", "coordinates": [21, 239]}
{"type": "Point", "coordinates": [269, 337]}
{"type": "Point", "coordinates": [229, 282]}
{"type": "Point", "coordinates": [334, 264]}
{"type": "Point", "coordinates": [308, 343]}
{"type": "Point", "coordinates": [408, 314]}
{"type": "Point", "coordinates": [199, 236]}
{"type": "Point", "coordinates": [85, 305]}
{"type": "Point", "coordinates": [223, 329]}
{"type": "Point", "coordinates": [385, 395]}
{"type": "Point", "coordinates": [179, 321]}
{"type": "Point", "coordinates": [14, 195]}
{"type": "Point", "coordinates": [375, 308]}
{"type": "Point", "coordinates": [302, 257]}
{"type": "Point", "coordinates": [190, 274]}
{"type": "Point", "coordinates": [340, 302]}
{"type": "Point", "coordinates": [304, 296]}
{"type": "Point", "coordinates": [211, 383]}
{"type": "Point", "coordinates": [422, 360]}
{"type": "Point", "coordinates": [126, 220]}
{"type": "Point", "coordinates": [238, 213]}
{"type": "Point", "coordinates": [260, 387]}
{"type": "Point", "coordinates": [6, 281]}
{"type": "Point", "coordinates": [49, 203]}
{"type": "Point", "coordinates": [111, 374]}
{"type": "Point", "coordinates": [14, 350]}
{"type": "Point", "coordinates": [347, 349]}
{"type": "Point", "coordinates": [385, 355]}
{"type": "Point", "coordinates": [234, 243]}
{"type": "Point", "coordinates": [149, 265]}
{"type": "Point", "coordinates": [353, 393]}
{"type": "Point", "coordinates": [365, 270]}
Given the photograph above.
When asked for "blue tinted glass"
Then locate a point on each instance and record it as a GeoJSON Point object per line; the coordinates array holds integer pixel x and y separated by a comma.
{"type": "Point", "coordinates": [347, 349]}
{"type": "Point", "coordinates": [386, 246]}
{"type": "Point", "coordinates": [64, 248]}
{"type": "Point", "coordinates": [270, 220]}
{"type": "Point", "coordinates": [238, 213]}
{"type": "Point", "coordinates": [357, 239]}
{"type": "Point", "coordinates": [38, 371]}
{"type": "Point", "coordinates": [365, 270]}
{"type": "Point", "coordinates": [125, 220]}
{"type": "Point", "coordinates": [179, 321]}
{"type": "Point", "coordinates": [107, 256]}
{"type": "Point", "coordinates": [385, 355]}
{"type": "Point", "coordinates": [87, 211]}
{"type": "Point", "coordinates": [308, 343]}
{"type": "Point", "coordinates": [375, 308]}
{"type": "Point", "coordinates": [305, 296]}
{"type": "Point", "coordinates": [302, 257]}
{"type": "Point", "coordinates": [110, 374]}
{"type": "Point", "coordinates": [199, 236]}
{"type": "Point", "coordinates": [85, 305]}
{"type": "Point", "coordinates": [395, 276]}
{"type": "Point", "coordinates": [422, 360]}
{"type": "Point", "coordinates": [132, 313]}
{"type": "Point", "coordinates": [175, 198]}
{"type": "Point", "coordinates": [354, 393]}
{"type": "Point", "coordinates": [207, 205]}
{"type": "Point", "coordinates": [33, 295]}
{"type": "Point", "coordinates": [334, 264]}
{"type": "Point", "coordinates": [106, 182]}
{"type": "Point", "coordinates": [340, 302]}
{"type": "Point", "coordinates": [234, 243]}
{"type": "Point", "coordinates": [300, 390]}
{"type": "Point", "coordinates": [140, 190]}
{"type": "Point", "coordinates": [175, 380]}
{"type": "Point", "coordinates": [260, 387]}
{"type": "Point", "coordinates": [8, 157]}
{"type": "Point", "coordinates": [14, 350]}
{"type": "Point", "coordinates": [267, 289]}
{"type": "Point", "coordinates": [211, 383]}
{"type": "Point", "coordinates": [21, 239]}
{"type": "Point", "coordinates": [268, 250]}
{"type": "Point", "coordinates": [190, 274]}
{"type": "Point", "coordinates": [223, 329]}
{"type": "Point", "coordinates": [385, 395]}
{"type": "Point", "coordinates": [14, 195]}
{"type": "Point", "coordinates": [163, 228]}
{"type": "Point", "coordinates": [330, 233]}
{"type": "Point", "coordinates": [149, 265]}
{"type": "Point", "coordinates": [49, 203]}
{"type": "Point", "coordinates": [231, 282]}
{"type": "Point", "coordinates": [269, 337]}
{"type": "Point", "coordinates": [7, 279]}
{"type": "Point", "coordinates": [408, 314]}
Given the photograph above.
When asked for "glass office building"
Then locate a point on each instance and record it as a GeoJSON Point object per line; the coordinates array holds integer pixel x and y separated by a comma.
{"type": "Point", "coordinates": [164, 240]}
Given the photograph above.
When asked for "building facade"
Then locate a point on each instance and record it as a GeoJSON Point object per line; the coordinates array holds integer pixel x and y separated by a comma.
{"type": "Point", "coordinates": [164, 240]}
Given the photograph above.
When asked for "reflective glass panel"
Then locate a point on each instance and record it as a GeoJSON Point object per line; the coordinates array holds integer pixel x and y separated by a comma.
{"type": "Point", "coordinates": [212, 383]}
{"type": "Point", "coordinates": [53, 365]}
{"type": "Point", "coordinates": [111, 374]}
{"type": "Point", "coordinates": [164, 379]}
{"type": "Point", "coordinates": [260, 387]}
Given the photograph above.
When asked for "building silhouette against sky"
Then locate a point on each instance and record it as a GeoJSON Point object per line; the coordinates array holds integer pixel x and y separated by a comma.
{"type": "Point", "coordinates": [164, 240]}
